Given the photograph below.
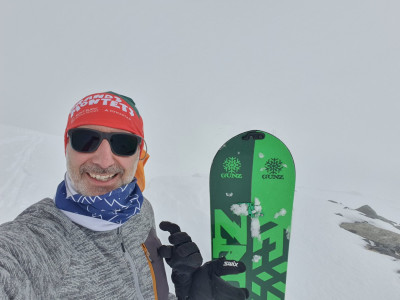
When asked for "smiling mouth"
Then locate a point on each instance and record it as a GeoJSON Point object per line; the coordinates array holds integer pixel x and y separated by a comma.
{"type": "Point", "coordinates": [102, 177]}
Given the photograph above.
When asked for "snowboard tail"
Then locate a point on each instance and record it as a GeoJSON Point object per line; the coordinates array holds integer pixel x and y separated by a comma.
{"type": "Point", "coordinates": [252, 183]}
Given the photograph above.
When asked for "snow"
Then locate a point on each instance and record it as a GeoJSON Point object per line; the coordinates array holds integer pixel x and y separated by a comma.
{"type": "Point", "coordinates": [241, 209]}
{"type": "Point", "coordinates": [320, 75]}
{"type": "Point", "coordinates": [256, 258]}
{"type": "Point", "coordinates": [257, 206]}
{"type": "Point", "coordinates": [325, 261]}
{"type": "Point", "coordinates": [281, 213]}
{"type": "Point", "coordinates": [255, 228]}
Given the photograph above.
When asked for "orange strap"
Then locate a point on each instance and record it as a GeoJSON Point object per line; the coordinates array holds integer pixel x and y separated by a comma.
{"type": "Point", "coordinates": [141, 181]}
{"type": "Point", "coordinates": [153, 276]}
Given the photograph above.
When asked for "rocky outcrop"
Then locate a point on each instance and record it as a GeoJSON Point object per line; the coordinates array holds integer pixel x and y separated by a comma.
{"type": "Point", "coordinates": [370, 213]}
{"type": "Point", "coordinates": [380, 240]}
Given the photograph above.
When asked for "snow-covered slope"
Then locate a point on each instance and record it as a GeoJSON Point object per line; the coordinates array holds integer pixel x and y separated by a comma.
{"type": "Point", "coordinates": [326, 262]}
{"type": "Point", "coordinates": [32, 164]}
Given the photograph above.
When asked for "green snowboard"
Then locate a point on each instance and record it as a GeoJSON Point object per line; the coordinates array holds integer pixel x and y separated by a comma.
{"type": "Point", "coordinates": [252, 183]}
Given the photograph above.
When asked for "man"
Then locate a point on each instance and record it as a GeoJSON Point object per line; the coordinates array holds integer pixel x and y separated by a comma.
{"type": "Point", "coordinates": [97, 238]}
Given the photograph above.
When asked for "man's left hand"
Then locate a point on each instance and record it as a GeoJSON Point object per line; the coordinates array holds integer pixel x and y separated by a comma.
{"type": "Point", "coordinates": [183, 257]}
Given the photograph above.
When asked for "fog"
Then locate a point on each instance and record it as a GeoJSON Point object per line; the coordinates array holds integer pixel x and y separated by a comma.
{"type": "Point", "coordinates": [321, 75]}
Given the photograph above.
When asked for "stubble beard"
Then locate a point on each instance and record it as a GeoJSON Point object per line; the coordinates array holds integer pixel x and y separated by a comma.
{"type": "Point", "coordinates": [83, 187]}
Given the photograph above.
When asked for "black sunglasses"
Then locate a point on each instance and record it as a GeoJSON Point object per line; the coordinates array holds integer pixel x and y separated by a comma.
{"type": "Point", "coordinates": [88, 140]}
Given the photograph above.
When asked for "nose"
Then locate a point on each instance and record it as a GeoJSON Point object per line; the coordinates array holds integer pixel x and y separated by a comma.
{"type": "Point", "coordinates": [103, 156]}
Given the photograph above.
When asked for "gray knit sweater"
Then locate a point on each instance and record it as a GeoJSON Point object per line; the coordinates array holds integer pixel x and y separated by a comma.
{"type": "Point", "coordinates": [44, 255]}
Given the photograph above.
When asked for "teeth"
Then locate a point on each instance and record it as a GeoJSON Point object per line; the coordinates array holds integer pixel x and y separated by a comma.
{"type": "Point", "coordinates": [101, 177]}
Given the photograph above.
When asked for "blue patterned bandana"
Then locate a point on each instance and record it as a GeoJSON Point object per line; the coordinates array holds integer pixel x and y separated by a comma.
{"type": "Point", "coordinates": [99, 213]}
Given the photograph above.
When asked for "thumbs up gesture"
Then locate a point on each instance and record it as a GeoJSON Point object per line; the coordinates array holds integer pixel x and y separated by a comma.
{"type": "Point", "coordinates": [192, 280]}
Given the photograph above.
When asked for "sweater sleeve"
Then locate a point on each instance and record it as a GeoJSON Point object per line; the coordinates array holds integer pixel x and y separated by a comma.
{"type": "Point", "coordinates": [31, 259]}
{"type": "Point", "coordinates": [14, 280]}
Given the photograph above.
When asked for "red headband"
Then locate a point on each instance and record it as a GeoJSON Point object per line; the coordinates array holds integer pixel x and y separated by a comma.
{"type": "Point", "coordinates": [106, 109]}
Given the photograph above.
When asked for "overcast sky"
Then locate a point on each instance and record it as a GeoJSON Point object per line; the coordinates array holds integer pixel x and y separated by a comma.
{"type": "Point", "coordinates": [321, 75]}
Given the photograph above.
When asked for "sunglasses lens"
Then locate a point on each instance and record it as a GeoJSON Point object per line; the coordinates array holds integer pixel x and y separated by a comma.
{"type": "Point", "coordinates": [124, 144]}
{"type": "Point", "coordinates": [87, 141]}
{"type": "Point", "coordinates": [84, 140]}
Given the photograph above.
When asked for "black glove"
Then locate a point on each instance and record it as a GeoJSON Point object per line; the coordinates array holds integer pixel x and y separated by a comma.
{"type": "Point", "coordinates": [183, 257]}
{"type": "Point", "coordinates": [207, 283]}
{"type": "Point", "coordinates": [190, 279]}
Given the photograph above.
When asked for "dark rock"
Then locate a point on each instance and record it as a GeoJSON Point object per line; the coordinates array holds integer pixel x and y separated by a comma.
{"type": "Point", "coordinates": [379, 240]}
{"type": "Point", "coordinates": [368, 211]}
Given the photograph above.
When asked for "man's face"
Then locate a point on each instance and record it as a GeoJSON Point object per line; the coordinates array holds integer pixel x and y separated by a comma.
{"type": "Point", "coordinates": [102, 171]}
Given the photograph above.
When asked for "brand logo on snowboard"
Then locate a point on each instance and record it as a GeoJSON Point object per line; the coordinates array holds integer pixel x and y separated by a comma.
{"type": "Point", "coordinates": [273, 166]}
{"type": "Point", "coordinates": [232, 166]}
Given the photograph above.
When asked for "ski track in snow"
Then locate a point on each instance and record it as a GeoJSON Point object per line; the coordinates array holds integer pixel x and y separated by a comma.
{"type": "Point", "coordinates": [17, 172]}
